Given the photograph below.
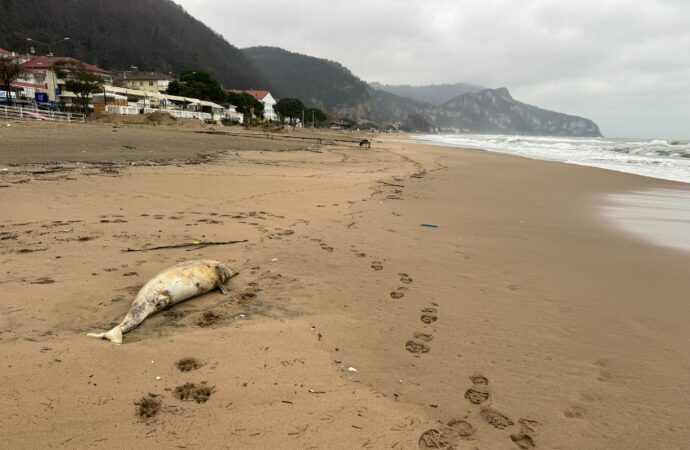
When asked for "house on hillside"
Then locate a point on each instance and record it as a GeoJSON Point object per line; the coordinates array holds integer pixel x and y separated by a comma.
{"type": "Point", "coordinates": [265, 98]}
{"type": "Point", "coordinates": [144, 81]}
{"type": "Point", "coordinates": [43, 68]}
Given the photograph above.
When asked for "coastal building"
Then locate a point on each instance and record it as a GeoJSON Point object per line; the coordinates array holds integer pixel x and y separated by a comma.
{"type": "Point", "coordinates": [28, 88]}
{"type": "Point", "coordinates": [265, 98]}
{"type": "Point", "coordinates": [154, 82]}
{"type": "Point", "coordinates": [43, 68]}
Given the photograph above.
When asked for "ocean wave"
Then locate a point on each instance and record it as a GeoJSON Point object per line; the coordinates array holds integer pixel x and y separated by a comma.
{"type": "Point", "coordinates": [656, 158]}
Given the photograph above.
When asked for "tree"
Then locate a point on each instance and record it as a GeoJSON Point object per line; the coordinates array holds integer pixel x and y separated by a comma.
{"type": "Point", "coordinates": [314, 116]}
{"type": "Point", "coordinates": [246, 104]}
{"type": "Point", "coordinates": [197, 84]}
{"type": "Point", "coordinates": [417, 122]}
{"type": "Point", "coordinates": [10, 70]}
{"type": "Point", "coordinates": [79, 80]}
{"type": "Point", "coordinates": [290, 108]}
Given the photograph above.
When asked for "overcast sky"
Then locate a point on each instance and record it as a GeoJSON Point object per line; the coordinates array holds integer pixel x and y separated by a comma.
{"type": "Point", "coordinates": [623, 63]}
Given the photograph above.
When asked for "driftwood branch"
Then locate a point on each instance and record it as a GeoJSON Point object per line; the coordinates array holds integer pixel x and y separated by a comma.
{"type": "Point", "coordinates": [196, 245]}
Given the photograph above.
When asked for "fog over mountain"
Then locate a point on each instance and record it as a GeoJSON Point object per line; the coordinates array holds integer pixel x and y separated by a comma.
{"type": "Point", "coordinates": [436, 94]}
{"type": "Point", "coordinates": [622, 63]}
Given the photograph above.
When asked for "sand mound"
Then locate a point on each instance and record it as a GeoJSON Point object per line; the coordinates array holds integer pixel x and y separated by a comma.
{"type": "Point", "coordinates": [154, 118]}
{"type": "Point", "coordinates": [159, 118]}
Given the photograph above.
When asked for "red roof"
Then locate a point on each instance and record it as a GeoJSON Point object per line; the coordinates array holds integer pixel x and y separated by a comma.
{"type": "Point", "coordinates": [46, 62]}
{"type": "Point", "coordinates": [37, 87]}
{"type": "Point", "coordinates": [259, 95]}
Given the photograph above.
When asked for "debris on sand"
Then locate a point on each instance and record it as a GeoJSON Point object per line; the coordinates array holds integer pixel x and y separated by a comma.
{"type": "Point", "coordinates": [148, 406]}
{"type": "Point", "coordinates": [188, 364]}
{"type": "Point", "coordinates": [189, 391]}
{"type": "Point", "coordinates": [209, 318]}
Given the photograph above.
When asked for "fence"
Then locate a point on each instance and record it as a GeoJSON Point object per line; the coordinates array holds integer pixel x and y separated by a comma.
{"type": "Point", "coordinates": [33, 113]}
{"type": "Point", "coordinates": [122, 110]}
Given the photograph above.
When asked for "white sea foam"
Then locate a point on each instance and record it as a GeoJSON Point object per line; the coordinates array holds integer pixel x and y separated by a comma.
{"type": "Point", "coordinates": [652, 158]}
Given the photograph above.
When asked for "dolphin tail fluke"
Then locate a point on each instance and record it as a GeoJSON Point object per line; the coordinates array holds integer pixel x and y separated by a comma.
{"type": "Point", "coordinates": [114, 335]}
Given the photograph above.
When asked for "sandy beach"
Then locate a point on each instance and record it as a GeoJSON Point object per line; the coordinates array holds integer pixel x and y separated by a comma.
{"type": "Point", "coordinates": [521, 318]}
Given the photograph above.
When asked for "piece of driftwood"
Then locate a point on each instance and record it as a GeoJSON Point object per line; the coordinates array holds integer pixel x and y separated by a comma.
{"type": "Point", "coordinates": [196, 244]}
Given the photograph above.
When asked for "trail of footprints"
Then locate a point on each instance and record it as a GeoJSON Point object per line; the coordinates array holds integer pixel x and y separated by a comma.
{"type": "Point", "coordinates": [451, 433]}
{"type": "Point", "coordinates": [446, 437]}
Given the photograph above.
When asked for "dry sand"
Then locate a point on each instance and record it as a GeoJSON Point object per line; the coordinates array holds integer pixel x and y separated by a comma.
{"type": "Point", "coordinates": [523, 320]}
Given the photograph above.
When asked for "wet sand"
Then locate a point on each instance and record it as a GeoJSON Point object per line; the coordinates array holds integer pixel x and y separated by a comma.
{"type": "Point", "coordinates": [524, 319]}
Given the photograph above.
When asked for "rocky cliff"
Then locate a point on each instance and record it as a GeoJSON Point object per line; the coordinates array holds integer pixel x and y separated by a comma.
{"type": "Point", "coordinates": [496, 111]}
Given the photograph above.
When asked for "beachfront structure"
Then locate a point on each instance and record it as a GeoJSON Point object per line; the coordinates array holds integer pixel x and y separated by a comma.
{"type": "Point", "coordinates": [144, 81]}
{"type": "Point", "coordinates": [265, 98]}
{"type": "Point", "coordinates": [139, 101]}
{"type": "Point", "coordinates": [43, 68]}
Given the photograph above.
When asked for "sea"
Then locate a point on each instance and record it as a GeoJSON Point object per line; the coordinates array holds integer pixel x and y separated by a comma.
{"type": "Point", "coordinates": [658, 216]}
{"type": "Point", "coordinates": [657, 158]}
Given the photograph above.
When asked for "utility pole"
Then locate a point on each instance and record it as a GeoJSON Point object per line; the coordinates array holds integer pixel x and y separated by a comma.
{"type": "Point", "coordinates": [48, 44]}
{"type": "Point", "coordinates": [302, 118]}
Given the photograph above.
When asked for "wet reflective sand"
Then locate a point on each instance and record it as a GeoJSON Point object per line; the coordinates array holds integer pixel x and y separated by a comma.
{"type": "Point", "coordinates": [660, 216]}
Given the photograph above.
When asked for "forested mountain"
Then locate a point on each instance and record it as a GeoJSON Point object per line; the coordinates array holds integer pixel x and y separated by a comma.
{"type": "Point", "coordinates": [436, 94]}
{"type": "Point", "coordinates": [333, 88]}
{"type": "Point", "coordinates": [155, 35]}
{"type": "Point", "coordinates": [324, 84]}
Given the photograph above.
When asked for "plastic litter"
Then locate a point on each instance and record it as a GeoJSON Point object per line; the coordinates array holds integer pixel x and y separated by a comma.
{"type": "Point", "coordinates": [429, 225]}
{"type": "Point", "coordinates": [351, 369]}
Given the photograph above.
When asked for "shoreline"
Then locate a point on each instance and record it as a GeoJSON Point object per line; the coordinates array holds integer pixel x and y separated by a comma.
{"type": "Point", "coordinates": [545, 148]}
{"type": "Point", "coordinates": [576, 327]}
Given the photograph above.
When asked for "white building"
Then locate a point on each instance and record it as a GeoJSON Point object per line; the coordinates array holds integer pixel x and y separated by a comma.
{"type": "Point", "coordinates": [265, 98]}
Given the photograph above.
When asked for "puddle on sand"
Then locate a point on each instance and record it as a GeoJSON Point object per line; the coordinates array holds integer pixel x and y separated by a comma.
{"type": "Point", "coordinates": [660, 216]}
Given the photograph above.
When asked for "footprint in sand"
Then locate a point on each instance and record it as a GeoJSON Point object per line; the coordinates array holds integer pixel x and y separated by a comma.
{"type": "Point", "coordinates": [479, 392]}
{"type": "Point", "coordinates": [433, 438]}
{"type": "Point", "coordinates": [525, 437]}
{"type": "Point", "coordinates": [398, 293]}
{"type": "Point", "coordinates": [326, 247]}
{"type": "Point", "coordinates": [462, 428]}
{"type": "Point", "coordinates": [405, 278]}
{"type": "Point", "coordinates": [523, 440]}
{"type": "Point", "coordinates": [495, 418]}
{"type": "Point", "coordinates": [447, 437]}
{"type": "Point", "coordinates": [377, 265]}
{"type": "Point", "coordinates": [199, 393]}
{"type": "Point", "coordinates": [428, 318]}
{"type": "Point", "coordinates": [574, 412]}
{"type": "Point", "coordinates": [416, 347]}
{"type": "Point", "coordinates": [148, 406]}
{"type": "Point", "coordinates": [188, 364]}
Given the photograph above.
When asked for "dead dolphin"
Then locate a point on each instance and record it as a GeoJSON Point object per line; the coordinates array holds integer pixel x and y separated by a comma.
{"type": "Point", "coordinates": [173, 285]}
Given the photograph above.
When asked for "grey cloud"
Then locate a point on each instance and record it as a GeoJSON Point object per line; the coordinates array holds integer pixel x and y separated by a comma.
{"type": "Point", "coordinates": [623, 63]}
